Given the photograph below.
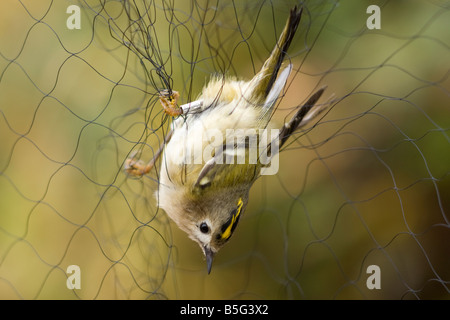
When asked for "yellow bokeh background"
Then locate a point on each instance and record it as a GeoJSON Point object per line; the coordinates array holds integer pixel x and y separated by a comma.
{"type": "Point", "coordinates": [367, 184]}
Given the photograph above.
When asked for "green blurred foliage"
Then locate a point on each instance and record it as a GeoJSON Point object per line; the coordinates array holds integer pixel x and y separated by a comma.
{"type": "Point", "coordinates": [368, 184]}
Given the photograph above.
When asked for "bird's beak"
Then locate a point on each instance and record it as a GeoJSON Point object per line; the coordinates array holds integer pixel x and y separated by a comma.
{"type": "Point", "coordinates": [209, 254]}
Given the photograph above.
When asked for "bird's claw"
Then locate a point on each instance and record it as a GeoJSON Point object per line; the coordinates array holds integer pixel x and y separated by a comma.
{"type": "Point", "coordinates": [135, 167]}
{"type": "Point", "coordinates": [168, 99]}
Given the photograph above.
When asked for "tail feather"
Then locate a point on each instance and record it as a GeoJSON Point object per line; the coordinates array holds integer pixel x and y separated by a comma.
{"type": "Point", "coordinates": [266, 77]}
{"type": "Point", "coordinates": [305, 113]}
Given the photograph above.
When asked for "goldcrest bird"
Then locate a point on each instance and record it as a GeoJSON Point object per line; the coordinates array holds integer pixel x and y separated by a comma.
{"type": "Point", "coordinates": [206, 197]}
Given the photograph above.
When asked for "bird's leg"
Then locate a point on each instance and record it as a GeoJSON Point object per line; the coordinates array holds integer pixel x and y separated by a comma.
{"type": "Point", "coordinates": [137, 167]}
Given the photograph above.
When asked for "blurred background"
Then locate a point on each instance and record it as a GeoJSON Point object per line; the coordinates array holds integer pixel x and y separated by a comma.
{"type": "Point", "coordinates": [368, 183]}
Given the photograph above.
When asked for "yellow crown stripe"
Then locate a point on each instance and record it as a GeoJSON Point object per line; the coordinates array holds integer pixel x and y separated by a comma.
{"type": "Point", "coordinates": [227, 233]}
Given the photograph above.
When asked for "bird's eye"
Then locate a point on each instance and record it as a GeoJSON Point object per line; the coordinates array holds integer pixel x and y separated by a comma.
{"type": "Point", "coordinates": [204, 227]}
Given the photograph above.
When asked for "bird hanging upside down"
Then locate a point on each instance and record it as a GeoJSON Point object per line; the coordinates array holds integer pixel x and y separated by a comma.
{"type": "Point", "coordinates": [207, 197]}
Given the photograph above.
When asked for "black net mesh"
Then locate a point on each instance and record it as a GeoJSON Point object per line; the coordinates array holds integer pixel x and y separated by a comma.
{"type": "Point", "coordinates": [368, 183]}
